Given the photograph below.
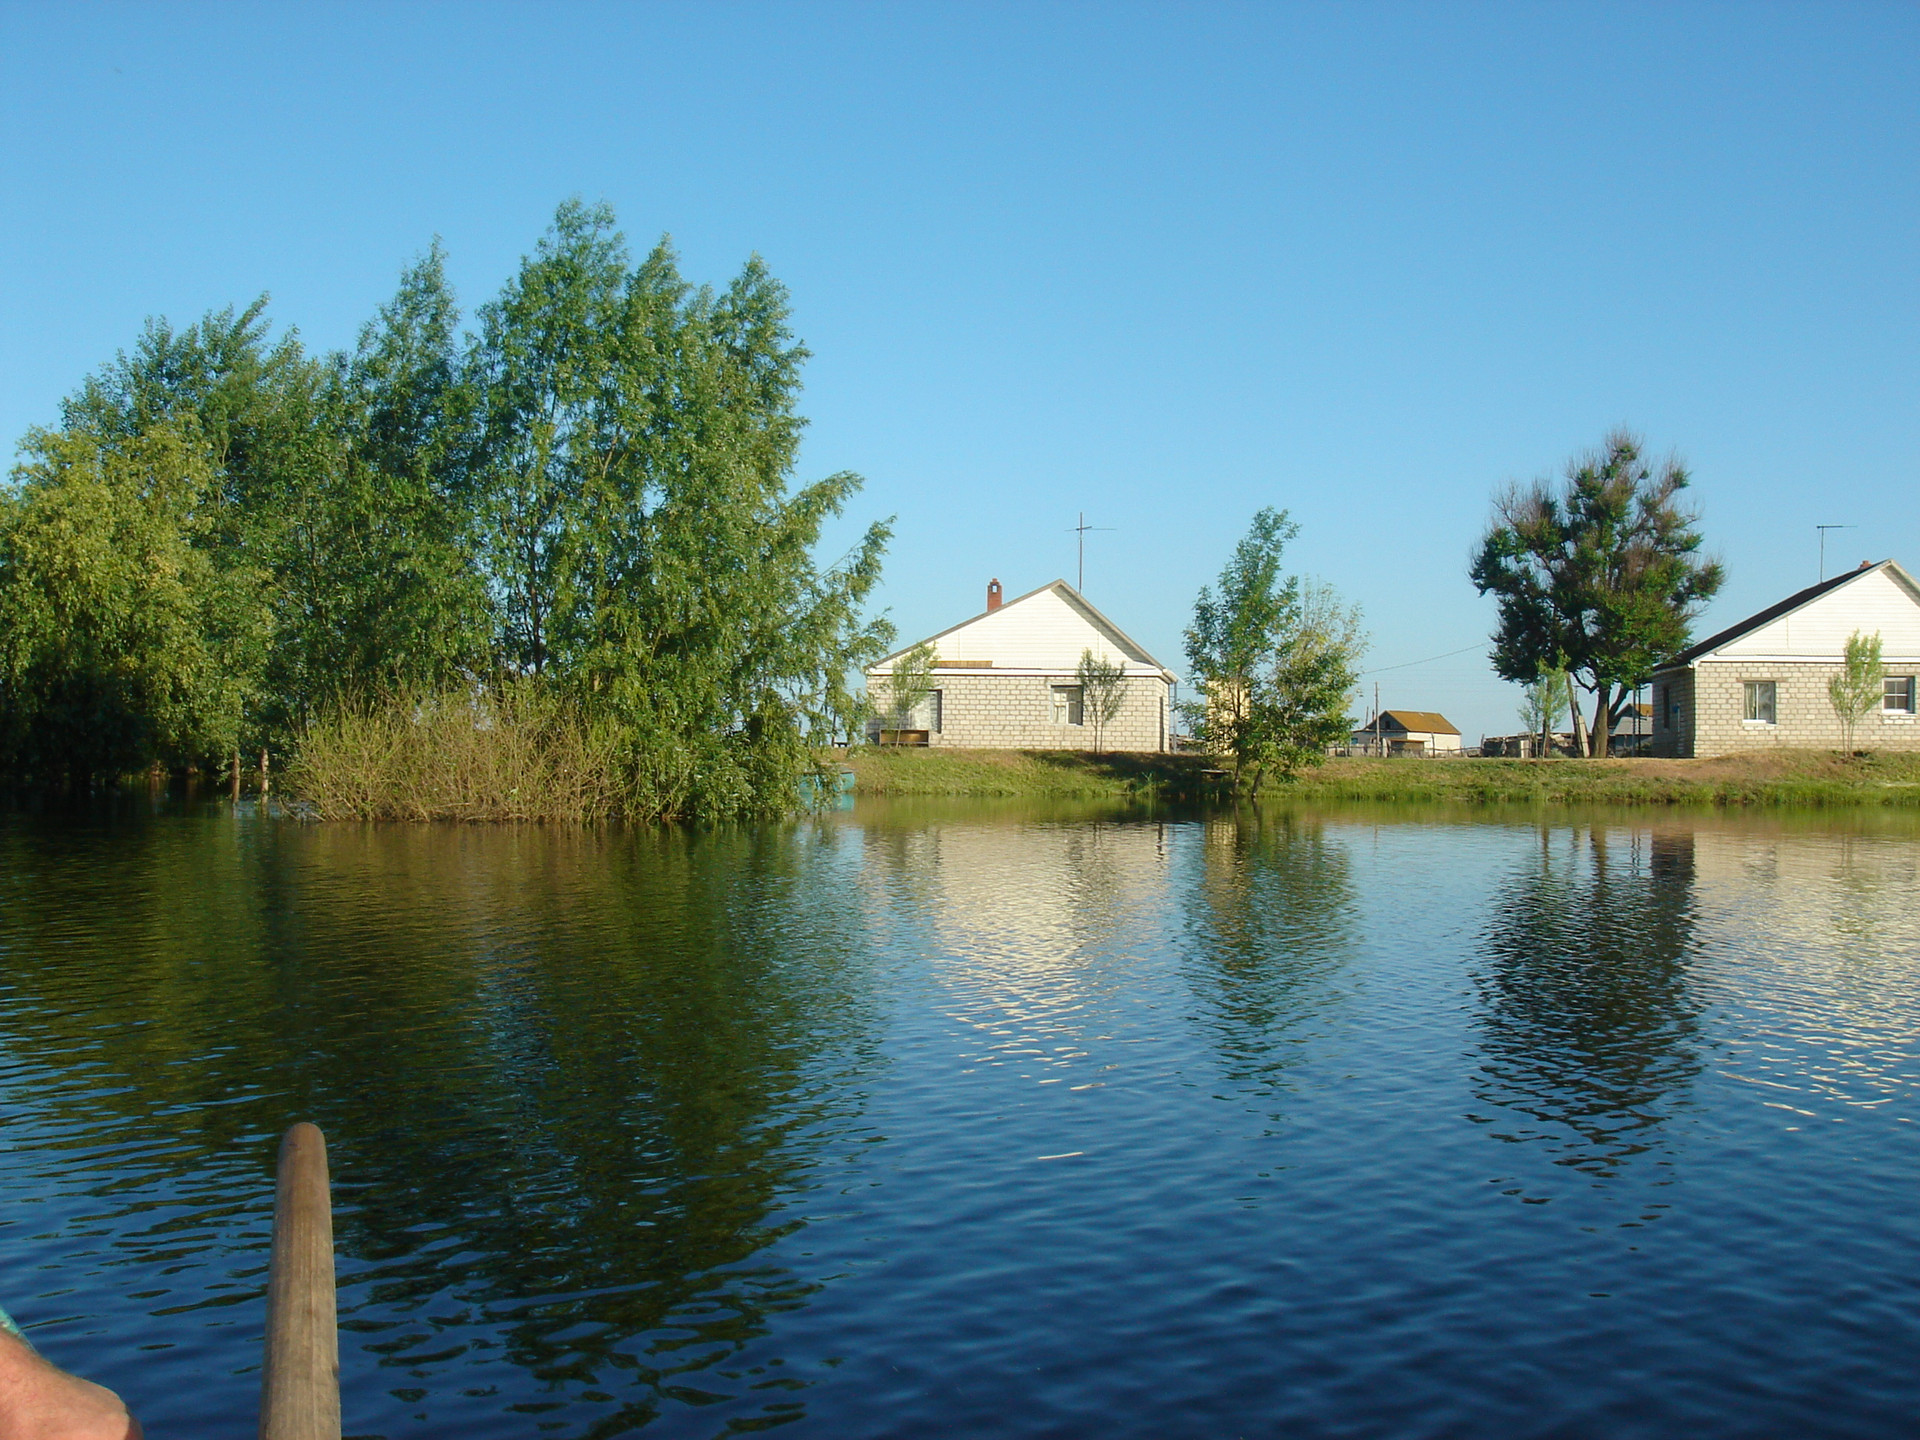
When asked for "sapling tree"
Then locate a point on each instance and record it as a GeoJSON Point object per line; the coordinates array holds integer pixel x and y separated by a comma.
{"type": "Point", "coordinates": [1543, 703]}
{"type": "Point", "coordinates": [907, 686]}
{"type": "Point", "coordinates": [1860, 684]}
{"type": "Point", "coordinates": [1103, 690]}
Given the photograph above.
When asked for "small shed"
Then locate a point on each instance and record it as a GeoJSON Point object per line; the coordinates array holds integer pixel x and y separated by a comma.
{"type": "Point", "coordinates": [1408, 732]}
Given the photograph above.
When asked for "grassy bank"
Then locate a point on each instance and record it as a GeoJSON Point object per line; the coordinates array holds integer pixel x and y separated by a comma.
{"type": "Point", "coordinates": [1781, 778]}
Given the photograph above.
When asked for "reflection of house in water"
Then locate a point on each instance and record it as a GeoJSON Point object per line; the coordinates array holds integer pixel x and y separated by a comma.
{"type": "Point", "coordinates": [1038, 897]}
{"type": "Point", "coordinates": [1809, 936]}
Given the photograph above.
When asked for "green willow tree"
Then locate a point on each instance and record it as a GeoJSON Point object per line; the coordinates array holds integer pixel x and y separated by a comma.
{"type": "Point", "coordinates": [638, 441]}
{"type": "Point", "coordinates": [1599, 576]}
{"type": "Point", "coordinates": [122, 644]}
{"type": "Point", "coordinates": [590, 501]}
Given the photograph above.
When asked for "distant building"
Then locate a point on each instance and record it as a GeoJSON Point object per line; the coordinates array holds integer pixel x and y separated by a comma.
{"type": "Point", "coordinates": [1408, 732]}
{"type": "Point", "coordinates": [1006, 680]}
{"type": "Point", "coordinates": [1762, 684]}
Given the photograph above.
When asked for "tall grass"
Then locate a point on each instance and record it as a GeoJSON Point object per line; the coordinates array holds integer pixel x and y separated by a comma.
{"type": "Point", "coordinates": [516, 751]}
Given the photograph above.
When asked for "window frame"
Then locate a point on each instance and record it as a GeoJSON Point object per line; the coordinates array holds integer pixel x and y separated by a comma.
{"type": "Point", "coordinates": [1906, 684]}
{"type": "Point", "coordinates": [1753, 691]}
{"type": "Point", "coordinates": [1069, 704]}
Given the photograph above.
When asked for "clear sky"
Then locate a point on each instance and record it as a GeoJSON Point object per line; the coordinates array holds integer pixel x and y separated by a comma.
{"type": "Point", "coordinates": [1163, 264]}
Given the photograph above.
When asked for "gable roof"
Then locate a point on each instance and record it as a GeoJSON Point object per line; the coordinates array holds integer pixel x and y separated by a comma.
{"type": "Point", "coordinates": [1787, 606]}
{"type": "Point", "coordinates": [1067, 594]}
{"type": "Point", "coordinates": [1425, 722]}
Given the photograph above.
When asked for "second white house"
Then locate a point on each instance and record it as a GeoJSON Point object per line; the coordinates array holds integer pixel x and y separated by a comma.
{"type": "Point", "coordinates": [1006, 680]}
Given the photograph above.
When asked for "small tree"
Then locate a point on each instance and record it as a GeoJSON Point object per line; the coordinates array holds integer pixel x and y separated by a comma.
{"type": "Point", "coordinates": [1542, 704]}
{"type": "Point", "coordinates": [910, 682]}
{"type": "Point", "coordinates": [1860, 684]}
{"type": "Point", "coordinates": [1274, 660]}
{"type": "Point", "coordinates": [1103, 690]}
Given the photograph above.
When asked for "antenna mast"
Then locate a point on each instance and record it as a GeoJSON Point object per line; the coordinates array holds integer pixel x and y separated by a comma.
{"type": "Point", "coordinates": [1823, 543]}
{"type": "Point", "coordinates": [1080, 579]}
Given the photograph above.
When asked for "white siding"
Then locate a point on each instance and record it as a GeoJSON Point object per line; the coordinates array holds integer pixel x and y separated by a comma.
{"type": "Point", "coordinates": [1044, 631]}
{"type": "Point", "coordinates": [1876, 601]}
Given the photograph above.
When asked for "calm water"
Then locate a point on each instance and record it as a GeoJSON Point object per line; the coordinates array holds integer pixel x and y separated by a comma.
{"type": "Point", "coordinates": [950, 1121]}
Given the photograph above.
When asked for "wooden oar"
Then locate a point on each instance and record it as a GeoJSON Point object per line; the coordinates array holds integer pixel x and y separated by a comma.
{"type": "Point", "coordinates": [300, 1380]}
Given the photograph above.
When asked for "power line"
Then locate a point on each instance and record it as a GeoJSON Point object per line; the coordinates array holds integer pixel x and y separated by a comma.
{"type": "Point", "coordinates": [1405, 664]}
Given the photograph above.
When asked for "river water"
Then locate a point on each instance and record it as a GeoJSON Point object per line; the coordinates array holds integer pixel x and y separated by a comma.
{"type": "Point", "coordinates": [963, 1120]}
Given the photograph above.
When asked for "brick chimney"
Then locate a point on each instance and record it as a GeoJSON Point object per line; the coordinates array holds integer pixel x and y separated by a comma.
{"type": "Point", "coordinates": [993, 596]}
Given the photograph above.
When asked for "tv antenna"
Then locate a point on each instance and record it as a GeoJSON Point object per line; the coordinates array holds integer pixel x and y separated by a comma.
{"type": "Point", "coordinates": [1823, 543]}
{"type": "Point", "coordinates": [1081, 530]}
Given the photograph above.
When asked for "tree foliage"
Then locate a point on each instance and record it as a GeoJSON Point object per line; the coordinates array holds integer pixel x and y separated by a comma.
{"type": "Point", "coordinates": [1543, 704]}
{"type": "Point", "coordinates": [1275, 660]}
{"type": "Point", "coordinates": [593, 490]}
{"type": "Point", "coordinates": [1599, 576]}
{"type": "Point", "coordinates": [908, 684]}
{"type": "Point", "coordinates": [1860, 686]}
{"type": "Point", "coordinates": [1103, 691]}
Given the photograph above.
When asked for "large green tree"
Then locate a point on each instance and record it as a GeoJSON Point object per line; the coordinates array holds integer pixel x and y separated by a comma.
{"type": "Point", "coordinates": [1599, 575]}
{"type": "Point", "coordinates": [1274, 659]}
{"type": "Point", "coordinates": [122, 644]}
{"type": "Point", "coordinates": [593, 496]}
{"type": "Point", "coordinates": [639, 437]}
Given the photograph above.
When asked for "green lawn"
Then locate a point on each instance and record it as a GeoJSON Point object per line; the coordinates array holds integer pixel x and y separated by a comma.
{"type": "Point", "coordinates": [1781, 778]}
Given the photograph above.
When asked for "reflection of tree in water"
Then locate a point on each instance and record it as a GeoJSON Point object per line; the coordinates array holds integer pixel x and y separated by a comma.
{"type": "Point", "coordinates": [1271, 921]}
{"type": "Point", "coordinates": [568, 1082]}
{"type": "Point", "coordinates": [1586, 1019]}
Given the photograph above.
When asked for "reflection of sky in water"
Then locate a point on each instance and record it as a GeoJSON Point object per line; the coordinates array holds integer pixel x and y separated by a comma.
{"type": "Point", "coordinates": [953, 1121]}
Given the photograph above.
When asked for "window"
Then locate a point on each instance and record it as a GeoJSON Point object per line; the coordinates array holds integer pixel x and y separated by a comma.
{"type": "Point", "coordinates": [1069, 705]}
{"type": "Point", "coordinates": [1664, 708]}
{"type": "Point", "coordinates": [926, 714]}
{"type": "Point", "coordinates": [1898, 694]}
{"type": "Point", "coordinates": [1760, 701]}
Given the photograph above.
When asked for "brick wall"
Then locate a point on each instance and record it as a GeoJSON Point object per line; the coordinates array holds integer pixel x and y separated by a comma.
{"type": "Point", "coordinates": [1015, 712]}
{"type": "Point", "coordinates": [1713, 716]}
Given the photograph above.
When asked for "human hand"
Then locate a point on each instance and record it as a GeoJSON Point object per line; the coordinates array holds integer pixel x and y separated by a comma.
{"type": "Point", "coordinates": [40, 1401]}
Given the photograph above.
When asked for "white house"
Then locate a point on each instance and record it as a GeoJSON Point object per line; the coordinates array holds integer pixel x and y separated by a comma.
{"type": "Point", "coordinates": [1408, 732]}
{"type": "Point", "coordinates": [1762, 684]}
{"type": "Point", "coordinates": [1006, 680]}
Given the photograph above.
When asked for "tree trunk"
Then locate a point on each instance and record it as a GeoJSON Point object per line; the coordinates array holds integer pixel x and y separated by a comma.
{"type": "Point", "coordinates": [1602, 721]}
{"type": "Point", "coordinates": [1579, 720]}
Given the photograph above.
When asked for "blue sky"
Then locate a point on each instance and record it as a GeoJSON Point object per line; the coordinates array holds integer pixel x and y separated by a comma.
{"type": "Point", "coordinates": [1162, 264]}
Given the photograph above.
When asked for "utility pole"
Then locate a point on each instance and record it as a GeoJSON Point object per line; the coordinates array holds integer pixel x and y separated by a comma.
{"type": "Point", "coordinates": [1823, 543]}
{"type": "Point", "coordinates": [1080, 580]}
{"type": "Point", "coordinates": [1378, 744]}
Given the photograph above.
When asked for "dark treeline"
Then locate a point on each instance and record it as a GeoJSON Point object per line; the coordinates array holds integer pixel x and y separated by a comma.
{"type": "Point", "coordinates": [578, 512]}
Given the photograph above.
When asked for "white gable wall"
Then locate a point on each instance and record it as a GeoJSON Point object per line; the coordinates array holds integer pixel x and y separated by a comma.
{"type": "Point", "coordinates": [1819, 629]}
{"type": "Point", "coordinates": [1043, 632]}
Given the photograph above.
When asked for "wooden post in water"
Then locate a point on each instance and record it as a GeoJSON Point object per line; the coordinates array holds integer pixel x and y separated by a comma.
{"type": "Point", "coordinates": [300, 1379]}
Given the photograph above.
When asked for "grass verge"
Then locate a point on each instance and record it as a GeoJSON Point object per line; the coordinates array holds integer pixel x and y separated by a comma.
{"type": "Point", "coordinates": [1782, 778]}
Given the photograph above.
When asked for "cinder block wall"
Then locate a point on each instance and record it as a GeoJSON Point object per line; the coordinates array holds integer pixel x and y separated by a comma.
{"type": "Point", "coordinates": [1015, 712]}
{"type": "Point", "coordinates": [1803, 714]}
{"type": "Point", "coordinates": [1673, 729]}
